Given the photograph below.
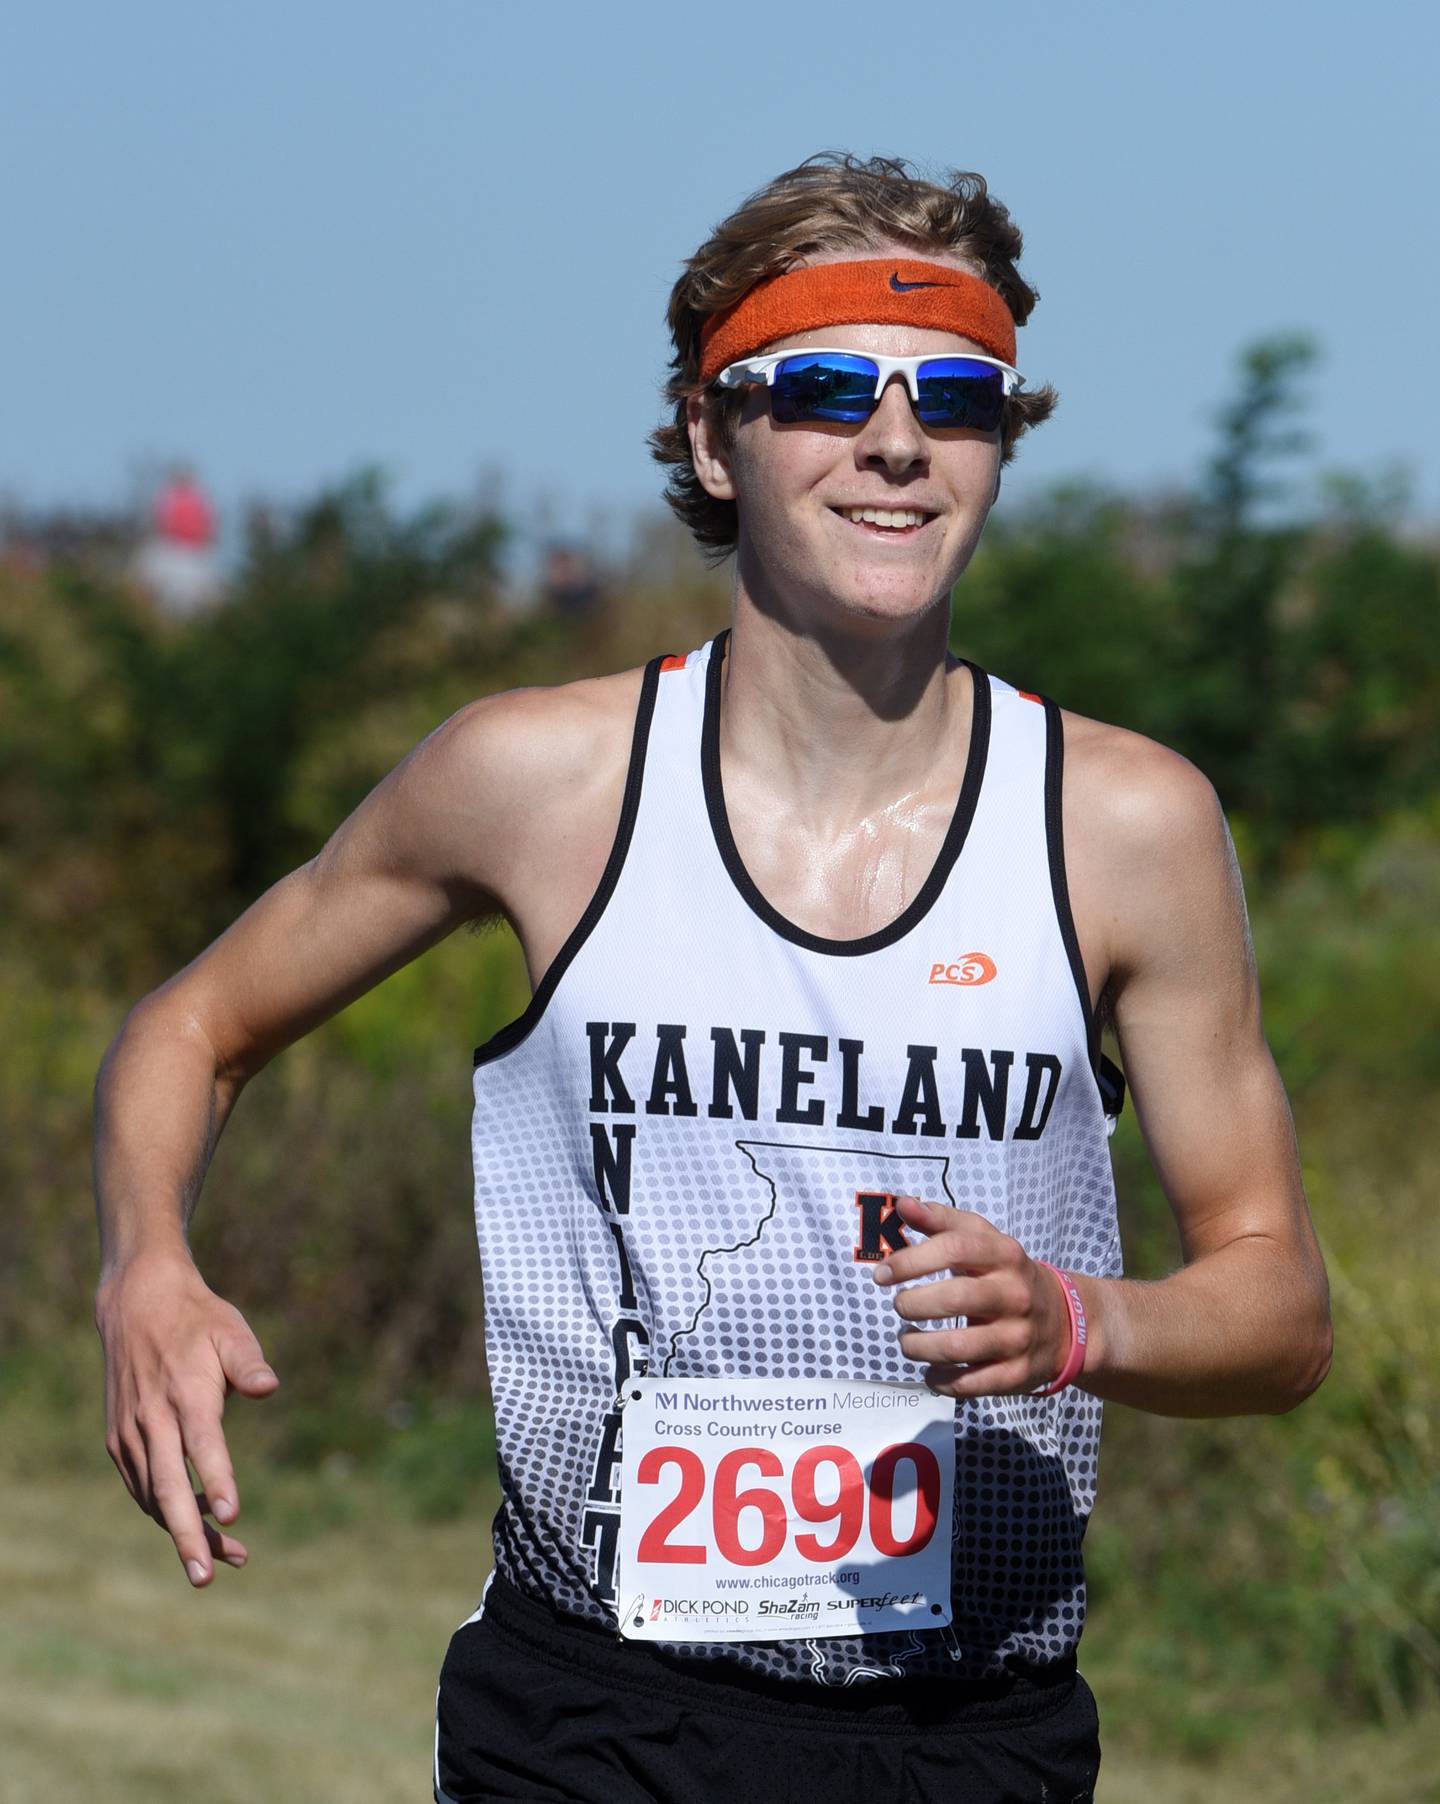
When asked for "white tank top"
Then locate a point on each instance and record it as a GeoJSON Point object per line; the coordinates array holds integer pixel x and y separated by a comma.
{"type": "Point", "coordinates": [685, 1149]}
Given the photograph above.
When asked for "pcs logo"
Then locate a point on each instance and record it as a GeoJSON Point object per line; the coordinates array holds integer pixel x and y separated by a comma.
{"type": "Point", "coordinates": [972, 967]}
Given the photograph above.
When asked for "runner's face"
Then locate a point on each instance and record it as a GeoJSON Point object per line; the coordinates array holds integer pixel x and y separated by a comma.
{"type": "Point", "coordinates": [795, 485]}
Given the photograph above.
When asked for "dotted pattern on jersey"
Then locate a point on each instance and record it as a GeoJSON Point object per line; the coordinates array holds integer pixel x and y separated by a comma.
{"type": "Point", "coordinates": [739, 1235]}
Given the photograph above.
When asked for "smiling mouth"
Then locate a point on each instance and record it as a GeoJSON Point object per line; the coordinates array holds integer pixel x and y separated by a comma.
{"type": "Point", "coordinates": [892, 522]}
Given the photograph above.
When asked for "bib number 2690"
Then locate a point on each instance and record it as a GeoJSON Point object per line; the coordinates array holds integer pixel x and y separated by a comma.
{"type": "Point", "coordinates": [756, 1509]}
{"type": "Point", "coordinates": [826, 1486]}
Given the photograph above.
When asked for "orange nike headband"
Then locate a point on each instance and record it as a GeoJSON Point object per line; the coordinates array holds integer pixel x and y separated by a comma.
{"type": "Point", "coordinates": [875, 291]}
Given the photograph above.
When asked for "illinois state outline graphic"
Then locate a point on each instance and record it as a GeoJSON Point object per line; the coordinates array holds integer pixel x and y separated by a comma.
{"type": "Point", "coordinates": [787, 1291]}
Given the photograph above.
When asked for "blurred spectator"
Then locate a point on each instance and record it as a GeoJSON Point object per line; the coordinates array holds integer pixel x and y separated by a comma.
{"type": "Point", "coordinates": [177, 563]}
{"type": "Point", "coordinates": [33, 539]}
{"type": "Point", "coordinates": [568, 583]}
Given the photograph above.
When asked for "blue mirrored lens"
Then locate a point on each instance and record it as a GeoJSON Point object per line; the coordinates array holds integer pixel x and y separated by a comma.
{"type": "Point", "coordinates": [958, 391]}
{"type": "Point", "coordinates": [827, 386]}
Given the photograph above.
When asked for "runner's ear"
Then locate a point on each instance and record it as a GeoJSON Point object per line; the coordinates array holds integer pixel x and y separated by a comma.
{"type": "Point", "coordinates": [708, 450]}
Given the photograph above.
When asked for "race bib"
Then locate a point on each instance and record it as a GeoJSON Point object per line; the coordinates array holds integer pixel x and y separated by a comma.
{"type": "Point", "coordinates": [762, 1509]}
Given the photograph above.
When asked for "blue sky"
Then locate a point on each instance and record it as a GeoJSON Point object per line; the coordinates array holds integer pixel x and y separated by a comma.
{"type": "Point", "coordinates": [288, 239]}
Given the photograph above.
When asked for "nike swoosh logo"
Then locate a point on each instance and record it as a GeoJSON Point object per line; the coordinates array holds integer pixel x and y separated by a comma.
{"type": "Point", "coordinates": [905, 287]}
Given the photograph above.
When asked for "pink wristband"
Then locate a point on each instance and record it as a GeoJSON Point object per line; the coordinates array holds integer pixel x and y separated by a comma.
{"type": "Point", "coordinates": [1075, 1358]}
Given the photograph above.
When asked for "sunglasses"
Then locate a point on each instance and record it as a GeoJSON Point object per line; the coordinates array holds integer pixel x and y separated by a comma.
{"type": "Point", "coordinates": [842, 385]}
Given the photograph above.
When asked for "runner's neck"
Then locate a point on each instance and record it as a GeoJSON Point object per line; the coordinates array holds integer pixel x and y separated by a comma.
{"type": "Point", "coordinates": [839, 729]}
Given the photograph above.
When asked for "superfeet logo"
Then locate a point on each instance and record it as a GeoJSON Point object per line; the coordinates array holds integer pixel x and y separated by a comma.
{"type": "Point", "coordinates": [971, 967]}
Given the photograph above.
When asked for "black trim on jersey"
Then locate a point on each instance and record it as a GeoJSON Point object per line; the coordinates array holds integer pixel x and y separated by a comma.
{"type": "Point", "coordinates": [515, 1031]}
{"type": "Point", "coordinates": [1108, 1075]}
{"type": "Point", "coordinates": [1112, 1086]}
{"type": "Point", "coordinates": [924, 898]}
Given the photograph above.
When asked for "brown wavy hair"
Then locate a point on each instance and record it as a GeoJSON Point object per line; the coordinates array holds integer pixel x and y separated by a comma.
{"type": "Point", "coordinates": [831, 202]}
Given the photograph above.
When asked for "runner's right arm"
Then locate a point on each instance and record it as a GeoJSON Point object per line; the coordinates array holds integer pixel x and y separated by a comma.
{"type": "Point", "coordinates": [435, 844]}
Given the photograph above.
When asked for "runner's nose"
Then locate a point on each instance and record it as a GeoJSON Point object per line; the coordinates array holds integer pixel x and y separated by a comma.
{"type": "Point", "coordinates": [893, 438]}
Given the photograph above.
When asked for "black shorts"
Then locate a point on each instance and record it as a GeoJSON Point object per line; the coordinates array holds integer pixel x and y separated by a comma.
{"type": "Point", "coordinates": [534, 1706]}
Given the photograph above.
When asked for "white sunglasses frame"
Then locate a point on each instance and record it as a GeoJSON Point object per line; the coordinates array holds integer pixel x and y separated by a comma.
{"type": "Point", "coordinates": [762, 369]}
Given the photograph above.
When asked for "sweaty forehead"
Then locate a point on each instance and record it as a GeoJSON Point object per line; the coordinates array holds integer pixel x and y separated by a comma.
{"type": "Point", "coordinates": [881, 340]}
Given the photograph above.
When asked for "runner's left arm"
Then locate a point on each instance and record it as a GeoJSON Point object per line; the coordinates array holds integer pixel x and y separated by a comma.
{"type": "Point", "coordinates": [1243, 1326]}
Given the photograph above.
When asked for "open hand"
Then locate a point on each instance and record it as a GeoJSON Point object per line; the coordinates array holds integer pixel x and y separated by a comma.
{"type": "Point", "coordinates": [174, 1351]}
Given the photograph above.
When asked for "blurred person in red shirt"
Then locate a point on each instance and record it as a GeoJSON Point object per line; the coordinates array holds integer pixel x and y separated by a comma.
{"type": "Point", "coordinates": [183, 513]}
{"type": "Point", "coordinates": [177, 565]}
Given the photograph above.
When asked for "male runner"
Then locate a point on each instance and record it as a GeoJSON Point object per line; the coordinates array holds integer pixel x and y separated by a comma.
{"type": "Point", "coordinates": [822, 923]}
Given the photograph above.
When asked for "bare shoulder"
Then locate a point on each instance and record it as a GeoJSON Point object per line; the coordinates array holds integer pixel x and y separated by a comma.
{"type": "Point", "coordinates": [1150, 862]}
{"type": "Point", "coordinates": [534, 779]}
{"type": "Point", "coordinates": [522, 745]}
{"type": "Point", "coordinates": [1140, 795]}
